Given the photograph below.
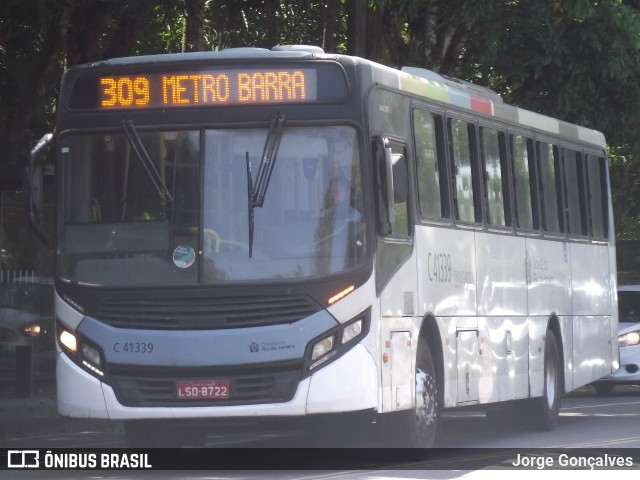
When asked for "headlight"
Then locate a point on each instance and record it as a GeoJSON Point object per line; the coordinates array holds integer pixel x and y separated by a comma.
{"type": "Point", "coordinates": [337, 341]}
{"type": "Point", "coordinates": [629, 339]}
{"type": "Point", "coordinates": [322, 347]}
{"type": "Point", "coordinates": [80, 351]}
{"type": "Point", "coordinates": [68, 341]}
{"type": "Point", "coordinates": [34, 330]}
{"type": "Point", "coordinates": [351, 331]}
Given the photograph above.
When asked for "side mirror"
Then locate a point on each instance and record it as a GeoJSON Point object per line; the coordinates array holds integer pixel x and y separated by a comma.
{"type": "Point", "coordinates": [392, 183]}
{"type": "Point", "coordinates": [35, 188]}
{"type": "Point", "coordinates": [382, 172]}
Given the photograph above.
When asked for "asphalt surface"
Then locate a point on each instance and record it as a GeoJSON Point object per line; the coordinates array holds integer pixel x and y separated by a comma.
{"type": "Point", "coordinates": [37, 414]}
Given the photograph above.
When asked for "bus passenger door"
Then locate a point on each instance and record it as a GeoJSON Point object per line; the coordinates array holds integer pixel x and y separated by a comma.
{"type": "Point", "coordinates": [467, 350]}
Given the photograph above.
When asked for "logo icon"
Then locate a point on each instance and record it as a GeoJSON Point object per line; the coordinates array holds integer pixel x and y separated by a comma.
{"type": "Point", "coordinates": [23, 459]}
{"type": "Point", "coordinates": [184, 256]}
{"type": "Point", "coordinates": [254, 347]}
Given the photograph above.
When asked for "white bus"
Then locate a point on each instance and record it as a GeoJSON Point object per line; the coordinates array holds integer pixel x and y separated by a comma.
{"type": "Point", "coordinates": [288, 233]}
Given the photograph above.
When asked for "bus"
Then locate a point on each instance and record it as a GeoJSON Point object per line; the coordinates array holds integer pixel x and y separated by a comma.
{"type": "Point", "coordinates": [288, 233]}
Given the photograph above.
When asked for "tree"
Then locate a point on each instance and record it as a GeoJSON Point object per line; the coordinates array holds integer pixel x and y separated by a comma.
{"type": "Point", "coordinates": [194, 28]}
{"type": "Point", "coordinates": [30, 46]}
{"type": "Point", "coordinates": [429, 33]}
{"type": "Point", "coordinates": [577, 60]}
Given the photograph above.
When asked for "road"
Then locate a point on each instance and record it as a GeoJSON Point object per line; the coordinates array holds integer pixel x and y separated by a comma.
{"type": "Point", "coordinates": [587, 421]}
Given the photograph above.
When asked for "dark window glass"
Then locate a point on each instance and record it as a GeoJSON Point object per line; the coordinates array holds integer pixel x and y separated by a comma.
{"type": "Point", "coordinates": [461, 153]}
{"type": "Point", "coordinates": [430, 191]}
{"type": "Point", "coordinates": [574, 192]}
{"type": "Point", "coordinates": [494, 176]}
{"type": "Point", "coordinates": [597, 197]}
{"type": "Point", "coordinates": [522, 173]}
{"type": "Point", "coordinates": [549, 188]}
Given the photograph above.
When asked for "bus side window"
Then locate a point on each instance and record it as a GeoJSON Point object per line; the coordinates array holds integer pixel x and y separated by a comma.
{"type": "Point", "coordinates": [431, 174]}
{"type": "Point", "coordinates": [495, 173]}
{"type": "Point", "coordinates": [461, 142]}
{"type": "Point", "coordinates": [598, 197]}
{"type": "Point", "coordinates": [523, 175]}
{"type": "Point", "coordinates": [574, 192]}
{"type": "Point", "coordinates": [550, 197]}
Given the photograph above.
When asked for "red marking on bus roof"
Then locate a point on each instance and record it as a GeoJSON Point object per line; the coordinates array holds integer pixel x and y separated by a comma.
{"type": "Point", "coordinates": [482, 105]}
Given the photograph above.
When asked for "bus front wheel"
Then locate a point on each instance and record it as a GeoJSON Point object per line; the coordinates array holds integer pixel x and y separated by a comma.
{"type": "Point", "coordinates": [421, 422]}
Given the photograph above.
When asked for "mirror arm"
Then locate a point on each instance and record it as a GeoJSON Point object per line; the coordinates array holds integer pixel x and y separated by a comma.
{"type": "Point", "coordinates": [35, 190]}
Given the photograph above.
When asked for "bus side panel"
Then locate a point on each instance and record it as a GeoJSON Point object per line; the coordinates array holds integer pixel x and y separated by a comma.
{"type": "Point", "coordinates": [448, 331]}
{"type": "Point", "coordinates": [537, 333]}
{"type": "Point", "coordinates": [591, 312]}
{"type": "Point", "coordinates": [446, 262]}
{"type": "Point", "coordinates": [590, 279]}
{"type": "Point", "coordinates": [397, 314]}
{"type": "Point", "coordinates": [446, 271]}
{"type": "Point", "coordinates": [399, 344]}
{"type": "Point", "coordinates": [549, 286]}
{"type": "Point", "coordinates": [549, 277]}
{"type": "Point", "coordinates": [591, 349]}
{"type": "Point", "coordinates": [504, 358]}
{"type": "Point", "coordinates": [613, 295]}
{"type": "Point", "coordinates": [502, 283]}
{"type": "Point", "coordinates": [502, 306]}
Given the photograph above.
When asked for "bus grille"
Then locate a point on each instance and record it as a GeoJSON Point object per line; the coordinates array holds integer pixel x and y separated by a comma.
{"type": "Point", "coordinates": [156, 386]}
{"type": "Point", "coordinates": [201, 313]}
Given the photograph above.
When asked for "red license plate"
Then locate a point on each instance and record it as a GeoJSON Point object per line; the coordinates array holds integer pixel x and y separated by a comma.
{"type": "Point", "coordinates": [202, 389]}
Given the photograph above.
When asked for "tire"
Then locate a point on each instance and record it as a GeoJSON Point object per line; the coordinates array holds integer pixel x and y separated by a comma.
{"type": "Point", "coordinates": [157, 434]}
{"type": "Point", "coordinates": [603, 388]}
{"type": "Point", "coordinates": [546, 409]}
{"type": "Point", "coordinates": [420, 424]}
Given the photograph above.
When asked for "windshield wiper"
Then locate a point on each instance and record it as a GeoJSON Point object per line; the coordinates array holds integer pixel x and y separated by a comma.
{"type": "Point", "coordinates": [257, 191]}
{"type": "Point", "coordinates": [142, 154]}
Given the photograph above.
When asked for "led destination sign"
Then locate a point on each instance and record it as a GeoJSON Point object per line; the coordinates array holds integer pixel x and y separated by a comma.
{"type": "Point", "coordinates": [207, 88]}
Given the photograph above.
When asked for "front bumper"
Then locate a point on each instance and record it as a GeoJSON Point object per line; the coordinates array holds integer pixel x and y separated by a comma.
{"type": "Point", "coordinates": [348, 384]}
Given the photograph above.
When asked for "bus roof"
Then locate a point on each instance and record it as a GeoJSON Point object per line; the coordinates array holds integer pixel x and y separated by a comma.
{"type": "Point", "coordinates": [478, 100]}
{"type": "Point", "coordinates": [238, 53]}
{"type": "Point", "coordinates": [416, 81]}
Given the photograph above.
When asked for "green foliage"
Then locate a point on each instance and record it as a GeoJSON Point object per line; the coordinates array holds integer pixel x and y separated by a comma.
{"type": "Point", "coordinates": [625, 177]}
{"type": "Point", "coordinates": [577, 60]}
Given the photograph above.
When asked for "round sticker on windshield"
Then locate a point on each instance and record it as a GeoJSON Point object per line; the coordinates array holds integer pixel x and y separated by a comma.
{"type": "Point", "coordinates": [184, 256]}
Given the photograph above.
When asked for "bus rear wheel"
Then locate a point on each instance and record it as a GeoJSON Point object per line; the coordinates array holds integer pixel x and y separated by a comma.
{"type": "Point", "coordinates": [546, 409]}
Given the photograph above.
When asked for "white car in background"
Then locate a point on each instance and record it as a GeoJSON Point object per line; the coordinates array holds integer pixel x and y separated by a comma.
{"type": "Point", "coordinates": [628, 341]}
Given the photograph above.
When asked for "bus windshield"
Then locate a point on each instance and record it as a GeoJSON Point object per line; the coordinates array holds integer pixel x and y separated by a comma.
{"type": "Point", "coordinates": [118, 228]}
